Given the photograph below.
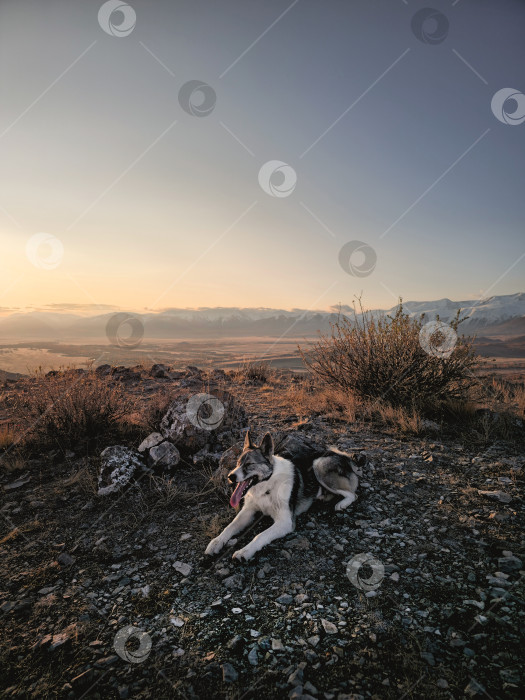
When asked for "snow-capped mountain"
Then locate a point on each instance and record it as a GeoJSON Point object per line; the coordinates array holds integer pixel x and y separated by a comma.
{"type": "Point", "coordinates": [497, 314]}
{"type": "Point", "coordinates": [480, 313]}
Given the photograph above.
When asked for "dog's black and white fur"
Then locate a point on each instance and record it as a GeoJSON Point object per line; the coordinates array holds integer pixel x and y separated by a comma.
{"type": "Point", "coordinates": [283, 485]}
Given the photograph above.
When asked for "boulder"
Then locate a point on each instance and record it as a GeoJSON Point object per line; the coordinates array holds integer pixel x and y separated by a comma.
{"type": "Point", "coordinates": [195, 420]}
{"type": "Point", "coordinates": [164, 455]}
{"type": "Point", "coordinates": [159, 371]}
{"type": "Point", "coordinates": [151, 441]}
{"type": "Point", "coordinates": [118, 465]}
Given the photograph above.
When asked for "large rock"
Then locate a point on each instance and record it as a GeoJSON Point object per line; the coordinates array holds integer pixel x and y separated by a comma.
{"type": "Point", "coordinates": [164, 455]}
{"type": "Point", "coordinates": [159, 452]}
{"type": "Point", "coordinates": [151, 441]}
{"type": "Point", "coordinates": [196, 420]}
{"type": "Point", "coordinates": [118, 465]}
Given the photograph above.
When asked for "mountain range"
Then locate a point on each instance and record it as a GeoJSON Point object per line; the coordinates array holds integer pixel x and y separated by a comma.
{"type": "Point", "coordinates": [496, 315]}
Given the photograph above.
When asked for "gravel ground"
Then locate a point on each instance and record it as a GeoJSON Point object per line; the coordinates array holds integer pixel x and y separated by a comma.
{"type": "Point", "coordinates": [416, 591]}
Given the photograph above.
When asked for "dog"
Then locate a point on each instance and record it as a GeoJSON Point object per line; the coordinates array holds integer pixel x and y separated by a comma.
{"type": "Point", "coordinates": [283, 483]}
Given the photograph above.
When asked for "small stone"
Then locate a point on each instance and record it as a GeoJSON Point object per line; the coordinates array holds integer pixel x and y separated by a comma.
{"type": "Point", "coordinates": [314, 640]}
{"type": "Point", "coordinates": [296, 677]}
{"type": "Point", "coordinates": [177, 621]}
{"type": "Point", "coordinates": [252, 657]}
{"type": "Point", "coordinates": [441, 683]}
{"type": "Point", "coordinates": [65, 559]}
{"type": "Point", "coordinates": [277, 645]}
{"type": "Point", "coordinates": [182, 568]}
{"type": "Point", "coordinates": [474, 688]}
{"type": "Point", "coordinates": [229, 674]}
{"type": "Point", "coordinates": [329, 627]}
{"type": "Point", "coordinates": [234, 582]}
{"type": "Point", "coordinates": [285, 599]}
{"type": "Point", "coordinates": [394, 577]}
{"type": "Point", "coordinates": [107, 661]}
{"type": "Point", "coordinates": [509, 564]}
{"type": "Point", "coordinates": [236, 611]}
{"type": "Point", "coordinates": [310, 688]}
{"type": "Point", "coordinates": [428, 657]}
{"type": "Point", "coordinates": [510, 675]}
{"type": "Point", "coordinates": [235, 642]}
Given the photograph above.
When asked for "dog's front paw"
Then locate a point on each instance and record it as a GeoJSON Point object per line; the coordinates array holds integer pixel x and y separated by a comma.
{"type": "Point", "coordinates": [243, 554]}
{"type": "Point", "coordinates": [214, 547]}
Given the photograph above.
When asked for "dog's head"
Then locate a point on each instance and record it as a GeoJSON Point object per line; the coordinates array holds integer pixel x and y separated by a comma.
{"type": "Point", "coordinates": [253, 466]}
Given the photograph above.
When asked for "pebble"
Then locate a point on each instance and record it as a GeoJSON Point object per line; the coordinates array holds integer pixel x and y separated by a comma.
{"type": "Point", "coordinates": [428, 657]}
{"type": "Point", "coordinates": [509, 564]}
{"type": "Point", "coordinates": [229, 674]}
{"type": "Point", "coordinates": [182, 568]}
{"type": "Point", "coordinates": [285, 599]}
{"type": "Point", "coordinates": [252, 657]}
{"type": "Point", "coordinates": [329, 627]}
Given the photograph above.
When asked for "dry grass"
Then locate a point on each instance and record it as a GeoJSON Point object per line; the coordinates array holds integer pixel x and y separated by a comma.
{"type": "Point", "coordinates": [155, 409]}
{"type": "Point", "coordinates": [71, 408]}
{"type": "Point", "coordinates": [253, 370]}
{"type": "Point", "coordinates": [309, 397]}
{"type": "Point", "coordinates": [165, 490]}
{"type": "Point", "coordinates": [335, 404]}
{"type": "Point", "coordinates": [508, 393]}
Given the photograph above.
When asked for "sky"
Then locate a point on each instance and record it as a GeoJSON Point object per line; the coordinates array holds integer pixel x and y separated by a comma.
{"type": "Point", "coordinates": [280, 154]}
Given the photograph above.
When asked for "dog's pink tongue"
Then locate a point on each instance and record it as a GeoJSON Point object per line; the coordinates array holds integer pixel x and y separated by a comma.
{"type": "Point", "coordinates": [237, 494]}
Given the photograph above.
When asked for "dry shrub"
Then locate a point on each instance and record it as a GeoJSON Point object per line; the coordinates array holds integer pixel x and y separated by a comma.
{"type": "Point", "coordinates": [382, 358]}
{"type": "Point", "coordinates": [155, 409]}
{"type": "Point", "coordinates": [254, 371]}
{"type": "Point", "coordinates": [72, 409]}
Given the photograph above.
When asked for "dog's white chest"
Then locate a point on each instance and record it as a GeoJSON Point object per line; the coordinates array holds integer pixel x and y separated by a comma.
{"type": "Point", "coordinates": [272, 496]}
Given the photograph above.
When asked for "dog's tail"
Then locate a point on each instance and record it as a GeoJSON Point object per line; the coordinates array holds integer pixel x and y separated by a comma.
{"type": "Point", "coordinates": [338, 471]}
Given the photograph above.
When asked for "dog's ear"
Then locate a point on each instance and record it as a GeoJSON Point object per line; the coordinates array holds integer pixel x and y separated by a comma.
{"type": "Point", "coordinates": [266, 446]}
{"type": "Point", "coordinates": [248, 442]}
